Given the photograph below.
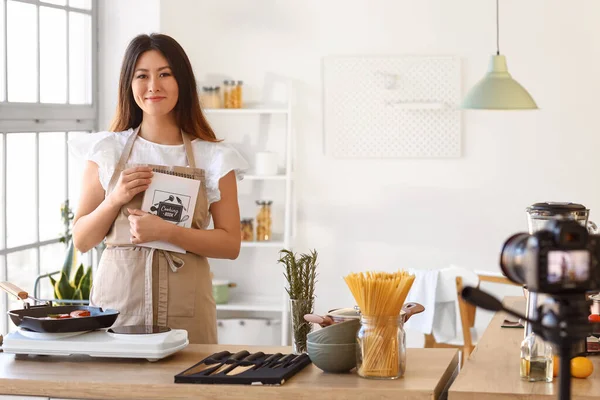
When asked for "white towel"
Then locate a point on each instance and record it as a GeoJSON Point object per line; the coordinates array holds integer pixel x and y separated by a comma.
{"type": "Point", "coordinates": [423, 291]}
{"type": "Point", "coordinates": [446, 324]}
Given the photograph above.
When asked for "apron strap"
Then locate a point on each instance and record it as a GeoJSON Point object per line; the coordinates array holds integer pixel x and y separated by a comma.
{"type": "Point", "coordinates": [123, 160]}
{"type": "Point", "coordinates": [174, 263]}
{"type": "Point", "coordinates": [187, 141]}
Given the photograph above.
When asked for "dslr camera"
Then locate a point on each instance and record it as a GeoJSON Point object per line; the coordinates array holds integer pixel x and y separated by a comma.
{"type": "Point", "coordinates": [561, 259]}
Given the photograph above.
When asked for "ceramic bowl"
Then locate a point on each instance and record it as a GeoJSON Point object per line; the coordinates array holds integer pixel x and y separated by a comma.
{"type": "Point", "coordinates": [334, 358]}
{"type": "Point", "coordinates": [340, 333]}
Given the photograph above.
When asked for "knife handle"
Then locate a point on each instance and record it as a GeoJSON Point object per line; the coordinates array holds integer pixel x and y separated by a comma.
{"type": "Point", "coordinates": [269, 360]}
{"type": "Point", "coordinates": [217, 357]}
{"type": "Point", "coordinates": [296, 359]}
{"type": "Point", "coordinates": [247, 361]}
{"type": "Point", "coordinates": [283, 361]}
{"type": "Point", "coordinates": [208, 362]}
{"type": "Point", "coordinates": [225, 364]}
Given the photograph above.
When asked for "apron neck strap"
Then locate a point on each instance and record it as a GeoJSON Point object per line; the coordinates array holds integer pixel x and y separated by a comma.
{"type": "Point", "coordinates": [123, 160]}
{"type": "Point", "coordinates": [187, 142]}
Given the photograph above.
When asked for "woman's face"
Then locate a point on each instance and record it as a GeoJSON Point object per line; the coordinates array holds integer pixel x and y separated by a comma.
{"type": "Point", "coordinates": [154, 87]}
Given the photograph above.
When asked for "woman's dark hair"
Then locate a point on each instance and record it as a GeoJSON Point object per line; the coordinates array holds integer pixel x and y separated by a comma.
{"type": "Point", "coordinates": [188, 114]}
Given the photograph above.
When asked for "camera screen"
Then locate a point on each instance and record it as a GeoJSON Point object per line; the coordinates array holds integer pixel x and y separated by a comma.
{"type": "Point", "coordinates": [568, 266]}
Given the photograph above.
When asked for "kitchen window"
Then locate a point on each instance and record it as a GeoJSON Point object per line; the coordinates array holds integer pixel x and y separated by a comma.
{"type": "Point", "coordinates": [48, 92]}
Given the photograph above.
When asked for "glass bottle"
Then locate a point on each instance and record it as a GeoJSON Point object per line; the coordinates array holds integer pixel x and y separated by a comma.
{"type": "Point", "coordinates": [536, 359]}
{"type": "Point", "coordinates": [216, 97]}
{"type": "Point", "coordinates": [227, 94]}
{"type": "Point", "coordinates": [247, 230]}
{"type": "Point", "coordinates": [205, 97]}
{"type": "Point", "coordinates": [238, 94]}
{"type": "Point", "coordinates": [381, 347]}
{"type": "Point", "coordinates": [263, 220]}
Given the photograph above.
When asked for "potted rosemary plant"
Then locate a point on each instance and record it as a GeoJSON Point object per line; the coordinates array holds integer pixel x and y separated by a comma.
{"type": "Point", "coordinates": [301, 275]}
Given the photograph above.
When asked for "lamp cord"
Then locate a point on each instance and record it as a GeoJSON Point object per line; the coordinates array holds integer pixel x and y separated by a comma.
{"type": "Point", "coordinates": [497, 28]}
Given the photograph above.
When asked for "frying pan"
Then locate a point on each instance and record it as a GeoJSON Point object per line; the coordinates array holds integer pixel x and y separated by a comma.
{"type": "Point", "coordinates": [32, 316]}
{"type": "Point", "coordinates": [343, 314]}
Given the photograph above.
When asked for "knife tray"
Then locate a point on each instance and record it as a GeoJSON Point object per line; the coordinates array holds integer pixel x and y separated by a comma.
{"type": "Point", "coordinates": [263, 375]}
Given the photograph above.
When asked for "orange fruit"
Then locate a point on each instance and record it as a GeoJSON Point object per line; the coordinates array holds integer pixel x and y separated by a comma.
{"type": "Point", "coordinates": [594, 318]}
{"type": "Point", "coordinates": [555, 365]}
{"type": "Point", "coordinates": [581, 367]}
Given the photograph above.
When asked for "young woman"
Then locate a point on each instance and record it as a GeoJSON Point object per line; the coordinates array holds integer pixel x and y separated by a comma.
{"type": "Point", "coordinates": [158, 122]}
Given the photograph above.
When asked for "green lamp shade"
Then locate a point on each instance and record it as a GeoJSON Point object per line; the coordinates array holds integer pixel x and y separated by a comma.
{"type": "Point", "coordinates": [498, 90]}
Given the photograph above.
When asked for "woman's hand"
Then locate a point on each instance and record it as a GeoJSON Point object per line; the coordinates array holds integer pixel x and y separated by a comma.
{"type": "Point", "coordinates": [131, 182]}
{"type": "Point", "coordinates": [145, 227]}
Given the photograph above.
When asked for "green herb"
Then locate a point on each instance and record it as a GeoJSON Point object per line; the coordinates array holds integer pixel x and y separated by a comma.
{"type": "Point", "coordinates": [301, 275]}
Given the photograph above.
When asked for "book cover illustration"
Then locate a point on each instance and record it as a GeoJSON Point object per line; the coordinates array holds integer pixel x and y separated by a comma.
{"type": "Point", "coordinates": [171, 206]}
{"type": "Point", "coordinates": [172, 198]}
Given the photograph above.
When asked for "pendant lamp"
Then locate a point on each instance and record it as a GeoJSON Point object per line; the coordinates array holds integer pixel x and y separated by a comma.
{"type": "Point", "coordinates": [498, 90]}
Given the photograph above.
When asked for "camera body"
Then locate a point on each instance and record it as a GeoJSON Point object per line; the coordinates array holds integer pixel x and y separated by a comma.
{"type": "Point", "coordinates": [561, 259]}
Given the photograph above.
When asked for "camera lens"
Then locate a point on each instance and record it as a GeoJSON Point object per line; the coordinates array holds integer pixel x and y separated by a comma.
{"type": "Point", "coordinates": [512, 257]}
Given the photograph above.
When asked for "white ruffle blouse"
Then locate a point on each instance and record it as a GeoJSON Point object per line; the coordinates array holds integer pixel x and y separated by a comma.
{"type": "Point", "coordinates": [105, 148]}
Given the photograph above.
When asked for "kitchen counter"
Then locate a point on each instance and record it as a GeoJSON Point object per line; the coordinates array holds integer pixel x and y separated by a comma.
{"type": "Point", "coordinates": [429, 373]}
{"type": "Point", "coordinates": [492, 371]}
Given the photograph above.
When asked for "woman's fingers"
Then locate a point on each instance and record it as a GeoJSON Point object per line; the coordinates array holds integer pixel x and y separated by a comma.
{"type": "Point", "coordinates": [137, 169]}
{"type": "Point", "coordinates": [136, 176]}
{"type": "Point", "coordinates": [138, 182]}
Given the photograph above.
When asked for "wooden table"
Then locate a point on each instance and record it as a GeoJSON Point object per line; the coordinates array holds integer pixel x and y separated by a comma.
{"type": "Point", "coordinates": [428, 376]}
{"type": "Point", "coordinates": [492, 371]}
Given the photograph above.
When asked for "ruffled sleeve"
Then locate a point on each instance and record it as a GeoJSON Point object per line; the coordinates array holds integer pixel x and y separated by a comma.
{"type": "Point", "coordinates": [225, 159]}
{"type": "Point", "coordinates": [99, 147]}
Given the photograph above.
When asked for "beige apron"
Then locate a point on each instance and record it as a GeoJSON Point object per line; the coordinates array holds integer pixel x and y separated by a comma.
{"type": "Point", "coordinates": [156, 287]}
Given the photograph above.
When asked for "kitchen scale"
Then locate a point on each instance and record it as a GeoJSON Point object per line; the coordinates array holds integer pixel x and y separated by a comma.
{"type": "Point", "coordinates": [151, 343]}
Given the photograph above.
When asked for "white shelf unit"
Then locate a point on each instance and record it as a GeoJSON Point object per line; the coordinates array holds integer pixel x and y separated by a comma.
{"type": "Point", "coordinates": [247, 303]}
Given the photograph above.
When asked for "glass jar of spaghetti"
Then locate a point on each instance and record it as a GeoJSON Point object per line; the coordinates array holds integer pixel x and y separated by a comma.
{"type": "Point", "coordinates": [381, 347]}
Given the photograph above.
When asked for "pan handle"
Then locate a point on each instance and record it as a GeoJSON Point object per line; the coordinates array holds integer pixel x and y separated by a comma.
{"type": "Point", "coordinates": [14, 290]}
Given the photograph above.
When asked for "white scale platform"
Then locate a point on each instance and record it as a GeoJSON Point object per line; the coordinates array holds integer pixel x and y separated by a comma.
{"type": "Point", "coordinates": [98, 343]}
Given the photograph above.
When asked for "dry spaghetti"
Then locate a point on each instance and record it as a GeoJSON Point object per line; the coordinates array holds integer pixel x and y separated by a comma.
{"type": "Point", "coordinates": [380, 297]}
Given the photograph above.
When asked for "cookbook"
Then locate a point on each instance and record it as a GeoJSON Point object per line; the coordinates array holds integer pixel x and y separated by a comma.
{"type": "Point", "coordinates": [171, 196]}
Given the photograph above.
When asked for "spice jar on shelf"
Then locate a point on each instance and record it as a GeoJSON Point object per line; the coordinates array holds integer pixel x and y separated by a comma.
{"type": "Point", "coordinates": [247, 230]}
{"type": "Point", "coordinates": [210, 97]}
{"type": "Point", "coordinates": [263, 220]}
{"type": "Point", "coordinates": [237, 90]}
{"type": "Point", "coordinates": [228, 94]}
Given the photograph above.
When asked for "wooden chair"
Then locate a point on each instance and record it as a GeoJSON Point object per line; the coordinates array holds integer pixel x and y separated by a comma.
{"type": "Point", "coordinates": [467, 316]}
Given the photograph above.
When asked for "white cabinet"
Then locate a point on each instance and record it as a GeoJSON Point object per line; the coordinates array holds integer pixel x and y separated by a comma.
{"type": "Point", "coordinates": [249, 331]}
{"type": "Point", "coordinates": [258, 126]}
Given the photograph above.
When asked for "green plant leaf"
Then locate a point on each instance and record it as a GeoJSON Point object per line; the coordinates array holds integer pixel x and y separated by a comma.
{"type": "Point", "coordinates": [78, 276]}
{"type": "Point", "coordinates": [53, 283]}
{"type": "Point", "coordinates": [63, 288]}
{"type": "Point", "coordinates": [85, 284]}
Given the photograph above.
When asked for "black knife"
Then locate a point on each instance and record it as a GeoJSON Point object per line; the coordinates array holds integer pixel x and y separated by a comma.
{"type": "Point", "coordinates": [209, 362]}
{"type": "Point", "coordinates": [238, 369]}
{"type": "Point", "coordinates": [283, 360]}
{"type": "Point", "coordinates": [296, 359]}
{"type": "Point", "coordinates": [236, 357]}
{"type": "Point", "coordinates": [269, 360]}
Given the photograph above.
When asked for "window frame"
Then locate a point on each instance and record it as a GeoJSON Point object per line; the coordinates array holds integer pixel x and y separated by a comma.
{"type": "Point", "coordinates": [16, 117]}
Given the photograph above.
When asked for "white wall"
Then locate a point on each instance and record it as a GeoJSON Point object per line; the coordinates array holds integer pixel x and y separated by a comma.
{"type": "Point", "coordinates": [119, 22]}
{"type": "Point", "coordinates": [389, 214]}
